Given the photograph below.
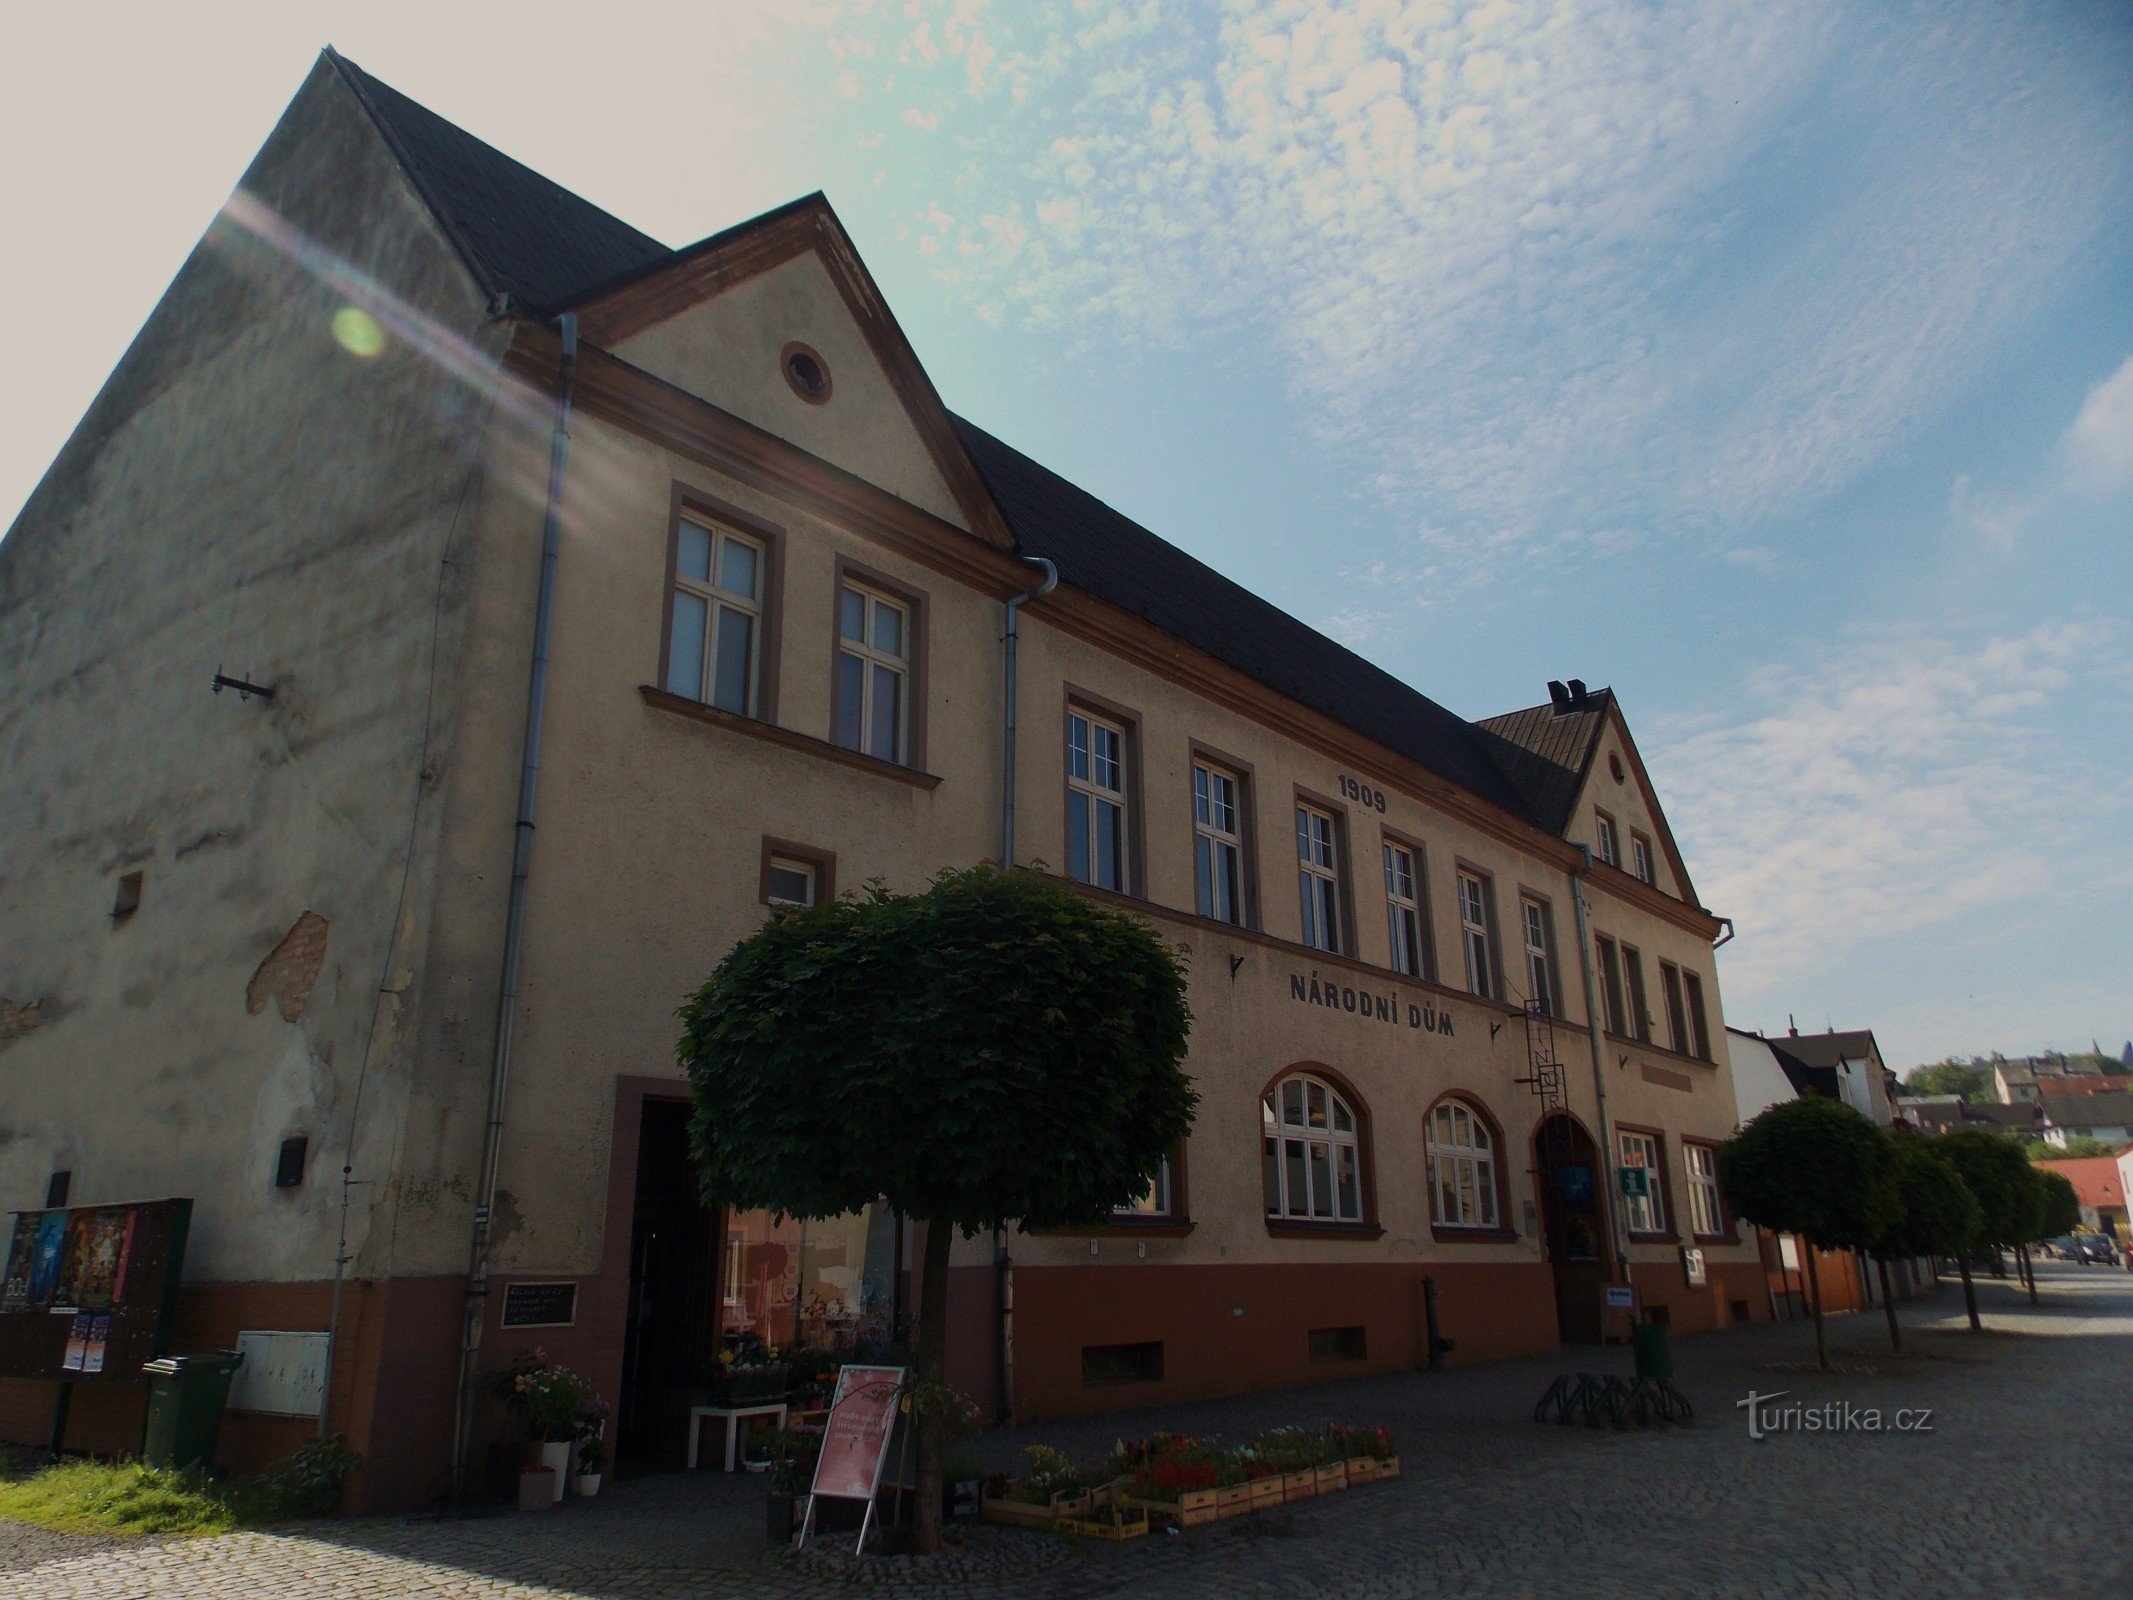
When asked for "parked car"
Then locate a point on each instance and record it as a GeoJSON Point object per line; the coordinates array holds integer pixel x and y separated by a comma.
{"type": "Point", "coordinates": [2094, 1247]}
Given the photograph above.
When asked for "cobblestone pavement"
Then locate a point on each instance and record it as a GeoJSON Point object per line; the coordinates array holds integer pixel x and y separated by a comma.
{"type": "Point", "coordinates": [2006, 1496]}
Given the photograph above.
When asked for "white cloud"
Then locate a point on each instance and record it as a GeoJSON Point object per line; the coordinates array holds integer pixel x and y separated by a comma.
{"type": "Point", "coordinates": [2099, 446]}
{"type": "Point", "coordinates": [1884, 786]}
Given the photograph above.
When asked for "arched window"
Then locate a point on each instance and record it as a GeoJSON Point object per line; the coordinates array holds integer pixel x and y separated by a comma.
{"type": "Point", "coordinates": [1462, 1167]}
{"type": "Point", "coordinates": [1314, 1163]}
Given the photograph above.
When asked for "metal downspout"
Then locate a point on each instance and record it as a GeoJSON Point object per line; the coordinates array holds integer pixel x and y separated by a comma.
{"type": "Point", "coordinates": [1003, 1263]}
{"type": "Point", "coordinates": [476, 1312]}
{"type": "Point", "coordinates": [1599, 1069]}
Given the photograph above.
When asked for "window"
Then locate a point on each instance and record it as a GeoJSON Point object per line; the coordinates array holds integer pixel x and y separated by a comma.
{"type": "Point", "coordinates": [1699, 1026]}
{"type": "Point", "coordinates": [1540, 966]}
{"type": "Point", "coordinates": [792, 882]}
{"type": "Point", "coordinates": [1096, 802]}
{"type": "Point", "coordinates": [1640, 1014]}
{"type": "Point", "coordinates": [873, 672]}
{"type": "Point", "coordinates": [1218, 843]}
{"type": "Point", "coordinates": [1603, 834]}
{"type": "Point", "coordinates": [714, 638]}
{"type": "Point", "coordinates": [1318, 870]}
{"type": "Point", "coordinates": [1677, 1016]}
{"type": "Point", "coordinates": [1645, 1213]}
{"type": "Point", "coordinates": [1313, 1160]}
{"type": "Point", "coordinates": [1403, 910]}
{"type": "Point", "coordinates": [1121, 1363]}
{"type": "Point", "coordinates": [1474, 934]}
{"type": "Point", "coordinates": [1156, 1202]}
{"type": "Point", "coordinates": [1462, 1167]}
{"type": "Point", "coordinates": [1640, 857]}
{"type": "Point", "coordinates": [1338, 1344]}
{"type": "Point", "coordinates": [1706, 1217]}
{"type": "Point", "coordinates": [1610, 985]}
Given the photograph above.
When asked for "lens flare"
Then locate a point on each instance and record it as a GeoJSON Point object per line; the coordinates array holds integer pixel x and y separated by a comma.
{"type": "Point", "coordinates": [357, 332]}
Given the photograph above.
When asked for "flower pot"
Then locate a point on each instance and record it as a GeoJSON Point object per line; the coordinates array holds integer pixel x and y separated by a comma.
{"type": "Point", "coordinates": [555, 1457]}
{"type": "Point", "coordinates": [536, 1489]}
{"type": "Point", "coordinates": [585, 1485]}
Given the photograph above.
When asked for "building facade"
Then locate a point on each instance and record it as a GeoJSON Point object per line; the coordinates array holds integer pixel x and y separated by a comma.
{"type": "Point", "coordinates": [609, 596]}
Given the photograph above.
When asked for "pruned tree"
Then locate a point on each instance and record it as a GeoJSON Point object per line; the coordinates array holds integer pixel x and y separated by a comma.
{"type": "Point", "coordinates": [1816, 1168]}
{"type": "Point", "coordinates": [994, 1050]}
{"type": "Point", "coordinates": [2054, 1208]}
{"type": "Point", "coordinates": [1996, 1173]}
{"type": "Point", "coordinates": [1936, 1215]}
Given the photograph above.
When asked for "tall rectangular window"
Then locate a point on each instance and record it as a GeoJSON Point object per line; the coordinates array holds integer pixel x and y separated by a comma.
{"type": "Point", "coordinates": [1640, 857]}
{"type": "Point", "coordinates": [1403, 910]}
{"type": "Point", "coordinates": [1640, 1011]}
{"type": "Point", "coordinates": [1540, 961]}
{"type": "Point", "coordinates": [1677, 1017]}
{"type": "Point", "coordinates": [1096, 802]}
{"type": "Point", "coordinates": [1156, 1201]}
{"type": "Point", "coordinates": [1218, 843]}
{"type": "Point", "coordinates": [714, 637]}
{"type": "Point", "coordinates": [1645, 1213]}
{"type": "Point", "coordinates": [1706, 1216]}
{"type": "Point", "coordinates": [1474, 934]}
{"type": "Point", "coordinates": [873, 673]}
{"type": "Point", "coordinates": [1318, 877]}
{"type": "Point", "coordinates": [1699, 1024]}
{"type": "Point", "coordinates": [1605, 843]}
{"type": "Point", "coordinates": [1610, 986]}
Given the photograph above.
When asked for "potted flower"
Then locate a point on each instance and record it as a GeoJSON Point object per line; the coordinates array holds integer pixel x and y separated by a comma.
{"type": "Point", "coordinates": [792, 1453]}
{"type": "Point", "coordinates": [554, 1402]}
{"type": "Point", "coordinates": [592, 1464]}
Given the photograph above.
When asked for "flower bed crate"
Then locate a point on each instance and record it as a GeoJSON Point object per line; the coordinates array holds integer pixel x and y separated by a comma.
{"type": "Point", "coordinates": [1112, 1521]}
{"type": "Point", "coordinates": [1267, 1491]}
{"type": "Point", "coordinates": [1370, 1469]}
{"type": "Point", "coordinates": [1190, 1509]}
{"type": "Point", "coordinates": [1113, 1493]}
{"type": "Point", "coordinates": [1331, 1478]}
{"type": "Point", "coordinates": [1301, 1485]}
{"type": "Point", "coordinates": [1234, 1500]}
{"type": "Point", "coordinates": [1024, 1514]}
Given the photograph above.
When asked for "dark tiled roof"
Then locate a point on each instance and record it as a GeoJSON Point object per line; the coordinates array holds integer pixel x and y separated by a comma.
{"type": "Point", "coordinates": [1805, 1079]}
{"type": "Point", "coordinates": [1827, 1049]}
{"type": "Point", "coordinates": [519, 233]}
{"type": "Point", "coordinates": [2087, 1110]}
{"type": "Point", "coordinates": [2020, 1115]}
{"type": "Point", "coordinates": [1116, 559]}
{"type": "Point", "coordinates": [1546, 754]}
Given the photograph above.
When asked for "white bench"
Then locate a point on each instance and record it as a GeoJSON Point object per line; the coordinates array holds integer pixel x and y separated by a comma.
{"type": "Point", "coordinates": [733, 1415]}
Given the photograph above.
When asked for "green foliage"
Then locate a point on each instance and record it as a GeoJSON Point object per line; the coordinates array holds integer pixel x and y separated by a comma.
{"type": "Point", "coordinates": [993, 1049]}
{"type": "Point", "coordinates": [1996, 1172]}
{"type": "Point", "coordinates": [305, 1484]}
{"type": "Point", "coordinates": [2077, 1145]}
{"type": "Point", "coordinates": [1950, 1077]}
{"type": "Point", "coordinates": [2058, 1206]}
{"type": "Point", "coordinates": [1813, 1167]}
{"type": "Point", "coordinates": [1936, 1215]}
{"type": "Point", "coordinates": [128, 1498]}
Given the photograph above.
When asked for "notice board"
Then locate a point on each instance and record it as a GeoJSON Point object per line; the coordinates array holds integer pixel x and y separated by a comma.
{"type": "Point", "coordinates": [89, 1290]}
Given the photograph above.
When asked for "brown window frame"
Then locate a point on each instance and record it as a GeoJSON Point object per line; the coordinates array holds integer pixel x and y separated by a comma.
{"type": "Point", "coordinates": [1651, 860]}
{"type": "Point", "coordinates": [1493, 932]}
{"type": "Point", "coordinates": [1458, 1233]}
{"type": "Point", "coordinates": [1613, 831]}
{"type": "Point", "coordinates": [1426, 943]}
{"type": "Point", "coordinates": [1670, 1232]}
{"type": "Point", "coordinates": [1638, 998]}
{"type": "Point", "coordinates": [1728, 1232]}
{"type": "Point", "coordinates": [1699, 1015]}
{"type": "Point", "coordinates": [1677, 1011]}
{"type": "Point", "coordinates": [1366, 1157]}
{"type": "Point", "coordinates": [1343, 869]}
{"type": "Point", "coordinates": [823, 861]}
{"type": "Point", "coordinates": [919, 605]}
{"type": "Point", "coordinates": [687, 503]}
{"type": "Point", "coordinates": [1128, 721]}
{"type": "Point", "coordinates": [1206, 755]}
{"type": "Point", "coordinates": [1614, 1012]}
{"type": "Point", "coordinates": [1556, 1007]}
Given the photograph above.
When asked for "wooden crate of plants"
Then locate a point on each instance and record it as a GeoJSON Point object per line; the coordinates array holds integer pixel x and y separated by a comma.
{"type": "Point", "coordinates": [1113, 1520]}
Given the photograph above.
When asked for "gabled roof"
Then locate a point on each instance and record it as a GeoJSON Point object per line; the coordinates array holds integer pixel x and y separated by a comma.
{"type": "Point", "coordinates": [519, 233]}
{"type": "Point", "coordinates": [1114, 558]}
{"type": "Point", "coordinates": [2087, 1111]}
{"type": "Point", "coordinates": [1547, 753]}
{"type": "Point", "coordinates": [1828, 1049]}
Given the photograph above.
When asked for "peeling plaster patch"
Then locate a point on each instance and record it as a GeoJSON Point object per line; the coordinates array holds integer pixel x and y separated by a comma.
{"type": "Point", "coordinates": [290, 969]}
{"type": "Point", "coordinates": [15, 1021]}
{"type": "Point", "coordinates": [213, 836]}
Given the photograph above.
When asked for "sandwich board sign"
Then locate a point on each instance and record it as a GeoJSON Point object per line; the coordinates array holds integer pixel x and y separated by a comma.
{"type": "Point", "coordinates": [855, 1444]}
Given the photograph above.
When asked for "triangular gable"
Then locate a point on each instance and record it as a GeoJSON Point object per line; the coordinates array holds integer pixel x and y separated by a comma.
{"type": "Point", "coordinates": [1597, 778]}
{"type": "Point", "coordinates": [664, 318]}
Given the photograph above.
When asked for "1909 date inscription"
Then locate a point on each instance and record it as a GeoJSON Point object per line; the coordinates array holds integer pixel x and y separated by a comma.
{"type": "Point", "coordinates": [1361, 793]}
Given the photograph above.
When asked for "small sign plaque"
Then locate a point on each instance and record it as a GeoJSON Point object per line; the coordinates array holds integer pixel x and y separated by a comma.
{"type": "Point", "coordinates": [1692, 1267]}
{"type": "Point", "coordinates": [1636, 1183]}
{"type": "Point", "coordinates": [540, 1305]}
{"type": "Point", "coordinates": [1619, 1297]}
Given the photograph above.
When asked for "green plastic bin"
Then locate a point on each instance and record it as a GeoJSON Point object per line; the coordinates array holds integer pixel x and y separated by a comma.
{"type": "Point", "coordinates": [1654, 1347]}
{"type": "Point", "coordinates": [186, 1399]}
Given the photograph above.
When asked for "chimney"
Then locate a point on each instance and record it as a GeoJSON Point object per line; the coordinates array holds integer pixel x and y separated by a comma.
{"type": "Point", "coordinates": [1791, 1026]}
{"type": "Point", "coordinates": [1578, 696]}
{"type": "Point", "coordinates": [1558, 697]}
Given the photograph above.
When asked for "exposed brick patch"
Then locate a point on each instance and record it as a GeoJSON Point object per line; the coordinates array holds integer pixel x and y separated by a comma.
{"type": "Point", "coordinates": [15, 1021]}
{"type": "Point", "coordinates": [290, 969]}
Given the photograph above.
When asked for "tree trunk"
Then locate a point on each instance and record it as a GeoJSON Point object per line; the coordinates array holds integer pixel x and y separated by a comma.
{"type": "Point", "coordinates": [2029, 1271]}
{"type": "Point", "coordinates": [932, 1363]}
{"type": "Point", "coordinates": [1969, 1293]}
{"type": "Point", "coordinates": [1814, 1294]}
{"type": "Point", "coordinates": [1888, 1304]}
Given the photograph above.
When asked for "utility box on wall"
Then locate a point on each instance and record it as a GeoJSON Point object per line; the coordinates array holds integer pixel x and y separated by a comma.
{"type": "Point", "coordinates": [284, 1374]}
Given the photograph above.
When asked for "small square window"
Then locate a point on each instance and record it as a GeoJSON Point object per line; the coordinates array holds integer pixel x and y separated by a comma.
{"type": "Point", "coordinates": [792, 883]}
{"type": "Point", "coordinates": [289, 1166]}
{"type": "Point", "coordinates": [1338, 1344]}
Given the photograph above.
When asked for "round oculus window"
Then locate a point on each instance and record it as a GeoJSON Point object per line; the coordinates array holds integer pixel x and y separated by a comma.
{"type": "Point", "coordinates": [806, 371]}
{"type": "Point", "coordinates": [1614, 765]}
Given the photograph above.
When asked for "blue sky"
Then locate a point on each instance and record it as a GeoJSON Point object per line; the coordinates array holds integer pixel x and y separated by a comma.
{"type": "Point", "coordinates": [1772, 363]}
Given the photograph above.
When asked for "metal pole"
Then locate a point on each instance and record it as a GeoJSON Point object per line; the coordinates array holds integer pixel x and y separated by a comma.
{"type": "Point", "coordinates": [1599, 1069]}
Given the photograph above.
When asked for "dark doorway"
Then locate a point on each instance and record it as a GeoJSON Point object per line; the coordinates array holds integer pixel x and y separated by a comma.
{"type": "Point", "coordinates": [1570, 1178]}
{"type": "Point", "coordinates": [671, 1330]}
